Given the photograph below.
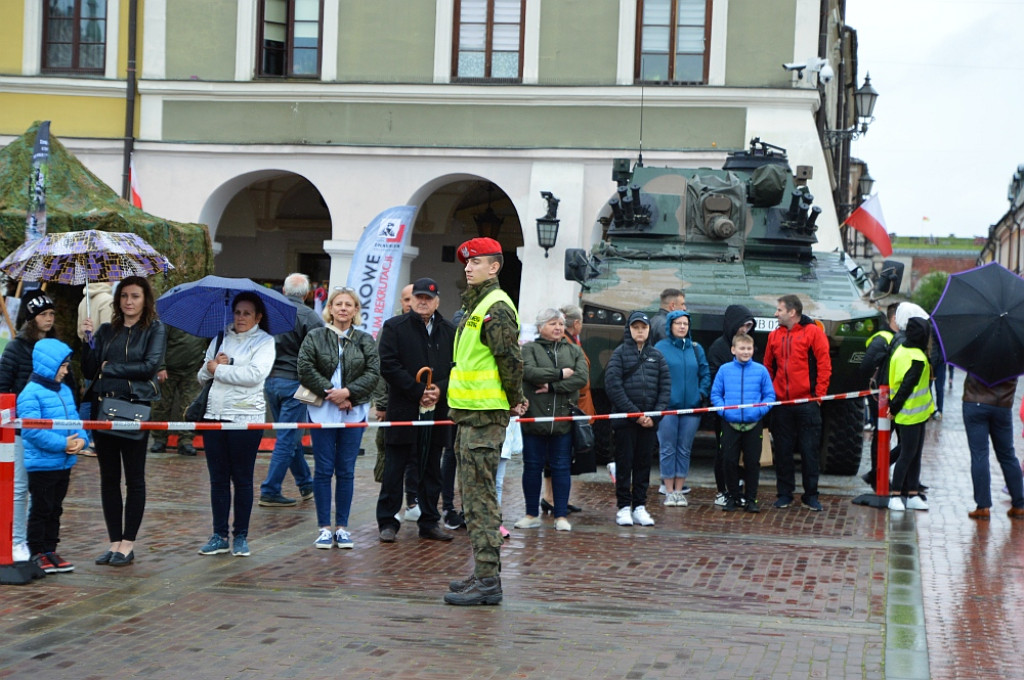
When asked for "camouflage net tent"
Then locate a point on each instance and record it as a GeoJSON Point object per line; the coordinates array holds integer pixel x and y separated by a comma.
{"type": "Point", "coordinates": [76, 200]}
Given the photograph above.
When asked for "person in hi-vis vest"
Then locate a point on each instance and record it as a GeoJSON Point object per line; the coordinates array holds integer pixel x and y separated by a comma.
{"type": "Point", "coordinates": [485, 388]}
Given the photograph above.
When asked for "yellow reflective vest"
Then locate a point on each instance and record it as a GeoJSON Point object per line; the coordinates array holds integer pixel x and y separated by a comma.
{"type": "Point", "coordinates": [885, 334]}
{"type": "Point", "coordinates": [919, 406]}
{"type": "Point", "coordinates": [474, 383]}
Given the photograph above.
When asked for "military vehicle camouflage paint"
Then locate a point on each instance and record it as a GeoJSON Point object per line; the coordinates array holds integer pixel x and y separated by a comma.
{"type": "Point", "coordinates": [740, 235]}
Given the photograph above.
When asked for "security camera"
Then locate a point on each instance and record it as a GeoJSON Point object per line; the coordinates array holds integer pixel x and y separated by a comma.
{"type": "Point", "coordinates": [797, 66]}
{"type": "Point", "coordinates": [826, 74]}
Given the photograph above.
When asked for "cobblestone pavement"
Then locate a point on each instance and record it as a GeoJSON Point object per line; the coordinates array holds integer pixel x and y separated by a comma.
{"type": "Point", "coordinates": [703, 594]}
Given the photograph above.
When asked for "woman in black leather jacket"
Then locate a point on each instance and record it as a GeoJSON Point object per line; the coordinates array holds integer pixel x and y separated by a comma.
{"type": "Point", "coordinates": [127, 354]}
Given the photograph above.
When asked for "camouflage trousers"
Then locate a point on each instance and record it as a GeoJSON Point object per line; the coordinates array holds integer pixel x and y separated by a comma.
{"type": "Point", "coordinates": [176, 393]}
{"type": "Point", "coordinates": [478, 451]}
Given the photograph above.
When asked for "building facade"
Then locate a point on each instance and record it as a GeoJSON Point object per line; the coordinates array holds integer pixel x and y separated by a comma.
{"type": "Point", "coordinates": [287, 125]}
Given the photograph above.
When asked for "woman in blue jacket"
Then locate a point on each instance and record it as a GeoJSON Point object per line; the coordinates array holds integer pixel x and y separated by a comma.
{"type": "Point", "coordinates": [49, 454]}
{"type": "Point", "coordinates": [690, 378]}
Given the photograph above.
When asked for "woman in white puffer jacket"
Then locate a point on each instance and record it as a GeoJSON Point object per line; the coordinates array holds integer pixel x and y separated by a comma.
{"type": "Point", "coordinates": [238, 369]}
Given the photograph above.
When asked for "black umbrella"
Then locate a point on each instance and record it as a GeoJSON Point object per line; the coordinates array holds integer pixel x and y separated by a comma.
{"type": "Point", "coordinates": [980, 323]}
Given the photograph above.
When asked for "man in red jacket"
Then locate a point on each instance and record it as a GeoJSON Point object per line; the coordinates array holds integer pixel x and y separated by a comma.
{"type": "Point", "coordinates": [798, 361]}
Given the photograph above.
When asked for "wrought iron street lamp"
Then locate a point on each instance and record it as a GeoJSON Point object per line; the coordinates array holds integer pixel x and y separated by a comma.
{"type": "Point", "coordinates": [864, 100]}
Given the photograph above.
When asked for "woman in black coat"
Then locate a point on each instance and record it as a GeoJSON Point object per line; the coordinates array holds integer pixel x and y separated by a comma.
{"type": "Point", "coordinates": [127, 354]}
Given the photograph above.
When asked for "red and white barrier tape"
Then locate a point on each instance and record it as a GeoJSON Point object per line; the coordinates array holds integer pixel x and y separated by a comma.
{"type": "Point", "coordinates": [8, 420]}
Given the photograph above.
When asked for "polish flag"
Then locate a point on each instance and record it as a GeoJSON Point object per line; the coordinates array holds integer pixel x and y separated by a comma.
{"type": "Point", "coordinates": [868, 220]}
{"type": "Point", "coordinates": [133, 184]}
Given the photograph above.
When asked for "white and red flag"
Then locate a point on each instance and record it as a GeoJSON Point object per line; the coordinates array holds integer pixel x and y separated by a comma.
{"type": "Point", "coordinates": [133, 183]}
{"type": "Point", "coordinates": [868, 220]}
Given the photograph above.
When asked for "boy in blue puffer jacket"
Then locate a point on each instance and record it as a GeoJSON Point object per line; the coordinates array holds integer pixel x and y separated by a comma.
{"type": "Point", "coordinates": [742, 381]}
{"type": "Point", "coordinates": [49, 454]}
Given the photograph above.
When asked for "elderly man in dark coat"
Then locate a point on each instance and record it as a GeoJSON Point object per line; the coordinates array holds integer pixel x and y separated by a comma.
{"type": "Point", "coordinates": [419, 338]}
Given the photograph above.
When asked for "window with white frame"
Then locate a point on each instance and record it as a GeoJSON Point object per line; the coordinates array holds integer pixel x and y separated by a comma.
{"type": "Point", "coordinates": [672, 41]}
{"type": "Point", "coordinates": [488, 40]}
{"type": "Point", "coordinates": [74, 36]}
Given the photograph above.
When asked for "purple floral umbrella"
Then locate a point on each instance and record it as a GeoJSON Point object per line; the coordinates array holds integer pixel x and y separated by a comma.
{"type": "Point", "coordinates": [78, 257]}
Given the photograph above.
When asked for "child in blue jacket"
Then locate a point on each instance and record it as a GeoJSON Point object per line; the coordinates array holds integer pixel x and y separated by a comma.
{"type": "Point", "coordinates": [49, 454]}
{"type": "Point", "coordinates": [742, 381]}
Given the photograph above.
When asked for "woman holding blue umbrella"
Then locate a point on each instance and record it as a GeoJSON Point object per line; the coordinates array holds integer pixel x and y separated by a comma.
{"type": "Point", "coordinates": [238, 368]}
{"type": "Point", "coordinates": [339, 363]}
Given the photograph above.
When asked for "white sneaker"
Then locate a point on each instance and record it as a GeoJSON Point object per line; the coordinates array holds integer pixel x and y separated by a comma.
{"type": "Point", "coordinates": [641, 517]}
{"type": "Point", "coordinates": [623, 517]}
{"type": "Point", "coordinates": [662, 491]}
{"type": "Point", "coordinates": [916, 503]}
{"type": "Point", "coordinates": [611, 471]}
{"type": "Point", "coordinates": [670, 500]}
{"type": "Point", "coordinates": [720, 499]}
{"type": "Point", "coordinates": [413, 513]}
{"type": "Point", "coordinates": [896, 503]}
{"type": "Point", "coordinates": [20, 553]}
{"type": "Point", "coordinates": [681, 499]}
{"type": "Point", "coordinates": [527, 522]}
{"type": "Point", "coordinates": [562, 524]}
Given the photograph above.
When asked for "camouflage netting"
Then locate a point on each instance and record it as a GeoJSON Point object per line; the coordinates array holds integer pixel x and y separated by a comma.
{"type": "Point", "coordinates": [76, 199]}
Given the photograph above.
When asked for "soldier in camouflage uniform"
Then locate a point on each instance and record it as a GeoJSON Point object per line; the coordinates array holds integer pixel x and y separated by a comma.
{"type": "Point", "coordinates": [178, 387]}
{"type": "Point", "coordinates": [485, 388]}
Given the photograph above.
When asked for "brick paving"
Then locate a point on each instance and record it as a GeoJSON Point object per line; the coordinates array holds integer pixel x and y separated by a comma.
{"type": "Point", "coordinates": [782, 594]}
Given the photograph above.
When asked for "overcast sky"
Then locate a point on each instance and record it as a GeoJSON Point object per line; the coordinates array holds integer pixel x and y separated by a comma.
{"type": "Point", "coordinates": [946, 136]}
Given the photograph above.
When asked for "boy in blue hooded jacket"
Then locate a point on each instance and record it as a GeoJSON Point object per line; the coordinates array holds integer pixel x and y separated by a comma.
{"type": "Point", "coordinates": [49, 454]}
{"type": "Point", "coordinates": [742, 381]}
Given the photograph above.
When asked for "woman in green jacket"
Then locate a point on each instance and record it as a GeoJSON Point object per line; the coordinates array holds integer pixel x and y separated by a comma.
{"type": "Point", "coordinates": [339, 363]}
{"type": "Point", "coordinates": [554, 370]}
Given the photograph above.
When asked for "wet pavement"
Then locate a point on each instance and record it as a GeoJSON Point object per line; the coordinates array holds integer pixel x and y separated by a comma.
{"type": "Point", "coordinates": [846, 593]}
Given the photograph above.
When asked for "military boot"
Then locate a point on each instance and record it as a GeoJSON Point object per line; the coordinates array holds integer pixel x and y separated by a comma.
{"type": "Point", "coordinates": [463, 585]}
{"type": "Point", "coordinates": [485, 590]}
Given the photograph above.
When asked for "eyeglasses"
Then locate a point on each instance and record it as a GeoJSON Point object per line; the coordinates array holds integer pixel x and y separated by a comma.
{"type": "Point", "coordinates": [344, 289]}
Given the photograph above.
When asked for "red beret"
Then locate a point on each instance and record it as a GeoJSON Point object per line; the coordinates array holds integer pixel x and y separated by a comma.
{"type": "Point", "coordinates": [478, 247]}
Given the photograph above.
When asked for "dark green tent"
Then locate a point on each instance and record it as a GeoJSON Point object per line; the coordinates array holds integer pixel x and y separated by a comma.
{"type": "Point", "coordinates": [76, 199]}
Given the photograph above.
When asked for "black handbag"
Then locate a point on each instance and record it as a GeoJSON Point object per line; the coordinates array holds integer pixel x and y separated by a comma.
{"type": "Point", "coordinates": [584, 459]}
{"type": "Point", "coordinates": [122, 410]}
{"type": "Point", "coordinates": [195, 411]}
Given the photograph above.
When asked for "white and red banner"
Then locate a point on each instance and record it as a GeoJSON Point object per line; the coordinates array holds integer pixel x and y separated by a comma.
{"type": "Point", "coordinates": [376, 264]}
{"type": "Point", "coordinates": [868, 220]}
{"type": "Point", "coordinates": [133, 184]}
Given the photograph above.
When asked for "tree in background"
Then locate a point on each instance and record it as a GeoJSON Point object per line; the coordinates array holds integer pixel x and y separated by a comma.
{"type": "Point", "coordinates": [929, 290]}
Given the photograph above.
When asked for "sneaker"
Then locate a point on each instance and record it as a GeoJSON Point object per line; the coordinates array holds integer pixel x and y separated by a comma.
{"type": "Point", "coordinates": [306, 493]}
{"type": "Point", "coordinates": [685, 490]}
{"type": "Point", "coordinates": [454, 520]}
{"type": "Point", "coordinates": [751, 506]}
{"type": "Point", "coordinates": [505, 533]}
{"type": "Point", "coordinates": [562, 524]}
{"type": "Point", "coordinates": [43, 562]}
{"type": "Point", "coordinates": [527, 522]}
{"type": "Point", "coordinates": [720, 499]}
{"type": "Point", "coordinates": [662, 491]}
{"type": "Point", "coordinates": [916, 503]}
{"type": "Point", "coordinates": [215, 546]}
{"type": "Point", "coordinates": [611, 471]}
{"type": "Point", "coordinates": [413, 513]}
{"type": "Point", "coordinates": [60, 564]}
{"type": "Point", "coordinates": [812, 504]}
{"type": "Point", "coordinates": [325, 540]}
{"type": "Point", "coordinates": [277, 501]}
{"type": "Point", "coordinates": [624, 518]}
{"type": "Point", "coordinates": [642, 517]}
{"type": "Point", "coordinates": [681, 499]}
{"type": "Point", "coordinates": [20, 553]}
{"type": "Point", "coordinates": [896, 503]}
{"type": "Point", "coordinates": [731, 505]}
{"type": "Point", "coordinates": [670, 500]}
{"type": "Point", "coordinates": [240, 548]}
{"type": "Point", "coordinates": [343, 539]}
{"type": "Point", "coordinates": [782, 503]}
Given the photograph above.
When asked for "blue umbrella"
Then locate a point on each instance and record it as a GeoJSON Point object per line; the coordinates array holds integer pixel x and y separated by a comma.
{"type": "Point", "coordinates": [203, 307]}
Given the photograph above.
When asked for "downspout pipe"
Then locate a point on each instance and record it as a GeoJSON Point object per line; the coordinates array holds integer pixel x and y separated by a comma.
{"type": "Point", "coordinates": [129, 104]}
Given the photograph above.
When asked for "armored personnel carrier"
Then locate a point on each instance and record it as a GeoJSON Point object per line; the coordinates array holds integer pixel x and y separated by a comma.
{"type": "Point", "coordinates": [740, 235]}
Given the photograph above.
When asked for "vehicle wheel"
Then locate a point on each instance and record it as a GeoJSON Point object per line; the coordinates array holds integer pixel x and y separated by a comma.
{"type": "Point", "coordinates": [604, 452]}
{"type": "Point", "coordinates": [842, 436]}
